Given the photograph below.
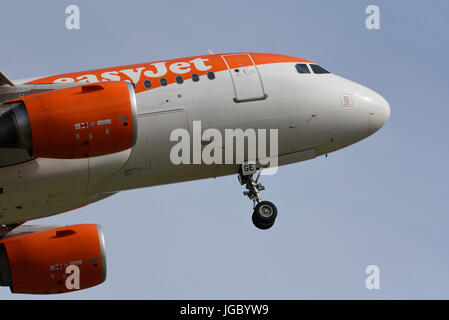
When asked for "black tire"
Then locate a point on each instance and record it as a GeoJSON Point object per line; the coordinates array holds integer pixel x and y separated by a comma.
{"type": "Point", "coordinates": [261, 225]}
{"type": "Point", "coordinates": [265, 212]}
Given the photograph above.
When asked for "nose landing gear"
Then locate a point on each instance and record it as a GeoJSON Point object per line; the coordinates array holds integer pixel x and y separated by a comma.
{"type": "Point", "coordinates": [265, 212]}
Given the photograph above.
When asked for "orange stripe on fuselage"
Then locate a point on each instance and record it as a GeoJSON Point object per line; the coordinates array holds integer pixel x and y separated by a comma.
{"type": "Point", "coordinates": [167, 69]}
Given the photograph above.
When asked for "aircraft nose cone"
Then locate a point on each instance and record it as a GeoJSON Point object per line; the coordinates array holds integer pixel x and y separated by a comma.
{"type": "Point", "coordinates": [379, 112]}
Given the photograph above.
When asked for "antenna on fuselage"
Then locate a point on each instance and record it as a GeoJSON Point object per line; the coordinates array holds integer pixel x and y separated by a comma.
{"type": "Point", "coordinates": [210, 51]}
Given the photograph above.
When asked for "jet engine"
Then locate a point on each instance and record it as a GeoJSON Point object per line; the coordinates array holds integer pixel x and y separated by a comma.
{"type": "Point", "coordinates": [53, 261]}
{"type": "Point", "coordinates": [76, 122]}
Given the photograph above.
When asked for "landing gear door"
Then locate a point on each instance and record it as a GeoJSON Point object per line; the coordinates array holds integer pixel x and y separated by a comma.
{"type": "Point", "coordinates": [245, 76]}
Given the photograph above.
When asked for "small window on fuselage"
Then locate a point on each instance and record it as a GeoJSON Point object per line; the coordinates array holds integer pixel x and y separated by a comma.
{"type": "Point", "coordinates": [147, 84]}
{"type": "Point", "coordinates": [302, 68]}
{"type": "Point", "coordinates": [211, 75]}
{"type": "Point", "coordinates": [179, 79]}
{"type": "Point", "coordinates": [163, 81]}
{"type": "Point", "coordinates": [195, 77]}
{"type": "Point", "coordinates": [317, 69]}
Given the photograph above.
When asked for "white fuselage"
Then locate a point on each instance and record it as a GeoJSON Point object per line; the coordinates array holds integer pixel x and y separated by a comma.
{"type": "Point", "coordinates": [312, 113]}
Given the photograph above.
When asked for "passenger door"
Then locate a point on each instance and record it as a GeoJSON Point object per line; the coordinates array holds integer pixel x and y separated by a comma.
{"type": "Point", "coordinates": [245, 76]}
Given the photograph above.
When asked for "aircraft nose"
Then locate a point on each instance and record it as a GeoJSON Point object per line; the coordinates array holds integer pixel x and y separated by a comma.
{"type": "Point", "coordinates": [377, 107]}
{"type": "Point", "coordinates": [379, 112]}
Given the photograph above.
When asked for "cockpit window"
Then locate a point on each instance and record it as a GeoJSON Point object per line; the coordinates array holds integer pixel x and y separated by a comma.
{"type": "Point", "coordinates": [302, 68]}
{"type": "Point", "coordinates": [317, 69]}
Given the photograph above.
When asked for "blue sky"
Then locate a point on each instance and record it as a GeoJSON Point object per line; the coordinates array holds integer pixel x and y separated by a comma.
{"type": "Point", "coordinates": [382, 201]}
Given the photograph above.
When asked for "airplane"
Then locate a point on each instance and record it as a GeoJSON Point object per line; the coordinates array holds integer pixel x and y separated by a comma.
{"type": "Point", "coordinates": [72, 139]}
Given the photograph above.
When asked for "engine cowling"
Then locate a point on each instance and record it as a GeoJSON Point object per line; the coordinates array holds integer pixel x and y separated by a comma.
{"type": "Point", "coordinates": [77, 122]}
{"type": "Point", "coordinates": [42, 262]}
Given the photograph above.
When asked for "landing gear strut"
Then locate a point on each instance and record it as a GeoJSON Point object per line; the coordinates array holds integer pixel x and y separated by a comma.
{"type": "Point", "coordinates": [265, 212]}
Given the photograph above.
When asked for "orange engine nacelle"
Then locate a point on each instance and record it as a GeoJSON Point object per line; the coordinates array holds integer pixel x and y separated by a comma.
{"type": "Point", "coordinates": [77, 122]}
{"type": "Point", "coordinates": [43, 262]}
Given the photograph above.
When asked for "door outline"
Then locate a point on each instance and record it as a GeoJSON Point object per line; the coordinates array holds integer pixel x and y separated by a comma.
{"type": "Point", "coordinates": [236, 99]}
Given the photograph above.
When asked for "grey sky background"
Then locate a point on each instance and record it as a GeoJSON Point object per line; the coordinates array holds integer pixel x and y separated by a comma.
{"type": "Point", "coordinates": [382, 201]}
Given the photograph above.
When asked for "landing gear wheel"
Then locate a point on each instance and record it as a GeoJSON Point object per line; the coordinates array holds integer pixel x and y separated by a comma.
{"type": "Point", "coordinates": [261, 225]}
{"type": "Point", "coordinates": [264, 215]}
{"type": "Point", "coordinates": [265, 211]}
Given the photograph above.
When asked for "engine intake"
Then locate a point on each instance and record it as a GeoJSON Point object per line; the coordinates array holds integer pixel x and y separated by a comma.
{"type": "Point", "coordinates": [37, 263]}
{"type": "Point", "coordinates": [77, 122]}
